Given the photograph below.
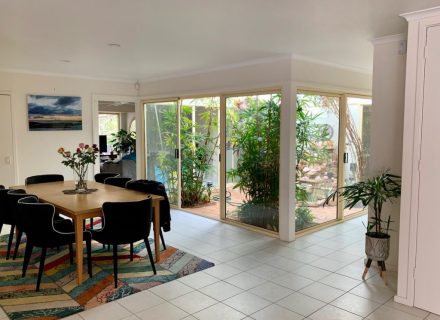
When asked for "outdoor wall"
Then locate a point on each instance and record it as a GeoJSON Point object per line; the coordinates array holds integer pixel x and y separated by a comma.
{"type": "Point", "coordinates": [387, 121]}
{"type": "Point", "coordinates": [36, 151]}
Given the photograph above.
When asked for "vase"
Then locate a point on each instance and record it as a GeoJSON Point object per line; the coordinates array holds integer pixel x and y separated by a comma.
{"type": "Point", "coordinates": [80, 179]}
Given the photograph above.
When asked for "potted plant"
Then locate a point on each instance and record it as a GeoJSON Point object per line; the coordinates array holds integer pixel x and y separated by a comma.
{"type": "Point", "coordinates": [374, 193]}
{"type": "Point", "coordinates": [123, 141]}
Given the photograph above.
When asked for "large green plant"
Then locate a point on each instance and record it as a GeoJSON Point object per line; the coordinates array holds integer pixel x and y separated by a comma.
{"type": "Point", "coordinates": [254, 135]}
{"type": "Point", "coordinates": [123, 141]}
{"type": "Point", "coordinates": [374, 192]}
{"type": "Point", "coordinates": [198, 144]}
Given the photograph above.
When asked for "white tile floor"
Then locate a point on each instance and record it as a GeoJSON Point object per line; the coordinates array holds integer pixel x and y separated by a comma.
{"type": "Point", "coordinates": [317, 277]}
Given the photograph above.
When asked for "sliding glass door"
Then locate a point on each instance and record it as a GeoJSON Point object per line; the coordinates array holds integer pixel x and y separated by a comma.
{"type": "Point", "coordinates": [252, 159]}
{"type": "Point", "coordinates": [317, 140]}
{"type": "Point", "coordinates": [161, 146]}
{"type": "Point", "coordinates": [357, 143]}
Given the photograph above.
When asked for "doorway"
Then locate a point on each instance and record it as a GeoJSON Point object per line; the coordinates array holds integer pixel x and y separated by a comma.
{"type": "Point", "coordinates": [114, 131]}
{"type": "Point", "coordinates": [182, 151]}
{"type": "Point", "coordinates": [7, 163]}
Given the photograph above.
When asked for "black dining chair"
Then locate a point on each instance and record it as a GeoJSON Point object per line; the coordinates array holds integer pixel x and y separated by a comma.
{"type": "Point", "coordinates": [157, 188]}
{"type": "Point", "coordinates": [42, 178]}
{"type": "Point", "coordinates": [100, 177]}
{"type": "Point", "coordinates": [7, 217]}
{"type": "Point", "coordinates": [117, 181]}
{"type": "Point", "coordinates": [125, 223]}
{"type": "Point", "coordinates": [13, 196]}
{"type": "Point", "coordinates": [42, 231]}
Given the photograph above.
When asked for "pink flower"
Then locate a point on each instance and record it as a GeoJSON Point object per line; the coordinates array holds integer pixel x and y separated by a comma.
{"type": "Point", "coordinates": [67, 154]}
{"type": "Point", "coordinates": [81, 145]}
{"type": "Point", "coordinates": [86, 146]}
{"type": "Point", "coordinates": [78, 150]}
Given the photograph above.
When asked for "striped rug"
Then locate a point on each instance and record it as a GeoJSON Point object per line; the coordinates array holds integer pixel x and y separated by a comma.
{"type": "Point", "coordinates": [60, 296]}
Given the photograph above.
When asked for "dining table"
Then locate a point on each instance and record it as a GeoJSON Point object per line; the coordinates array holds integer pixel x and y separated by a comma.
{"type": "Point", "coordinates": [81, 206]}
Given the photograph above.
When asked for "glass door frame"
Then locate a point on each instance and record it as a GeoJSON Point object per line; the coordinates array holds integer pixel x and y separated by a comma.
{"type": "Point", "coordinates": [343, 99]}
{"type": "Point", "coordinates": [144, 147]}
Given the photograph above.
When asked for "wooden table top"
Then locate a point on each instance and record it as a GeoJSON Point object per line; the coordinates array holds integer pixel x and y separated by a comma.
{"type": "Point", "coordinates": [52, 192]}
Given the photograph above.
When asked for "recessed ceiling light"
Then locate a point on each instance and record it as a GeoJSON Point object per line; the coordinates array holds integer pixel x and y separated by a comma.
{"type": "Point", "coordinates": [114, 45]}
{"type": "Point", "coordinates": [65, 60]}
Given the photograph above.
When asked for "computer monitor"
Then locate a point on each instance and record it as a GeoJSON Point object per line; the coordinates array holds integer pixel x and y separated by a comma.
{"type": "Point", "coordinates": [102, 143]}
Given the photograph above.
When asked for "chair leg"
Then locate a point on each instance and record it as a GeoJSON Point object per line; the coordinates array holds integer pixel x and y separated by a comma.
{"type": "Point", "coordinates": [131, 251]}
{"type": "Point", "coordinates": [71, 253]}
{"type": "Point", "coordinates": [11, 237]}
{"type": "Point", "coordinates": [17, 243]}
{"type": "Point", "coordinates": [150, 254]}
{"type": "Point", "coordinates": [115, 264]}
{"type": "Point", "coordinates": [89, 256]}
{"type": "Point", "coordinates": [41, 269]}
{"type": "Point", "coordinates": [162, 239]}
{"type": "Point", "coordinates": [91, 223]}
{"type": "Point", "coordinates": [27, 257]}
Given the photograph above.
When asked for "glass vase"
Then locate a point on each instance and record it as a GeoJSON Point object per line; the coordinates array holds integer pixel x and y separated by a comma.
{"type": "Point", "coordinates": [80, 179]}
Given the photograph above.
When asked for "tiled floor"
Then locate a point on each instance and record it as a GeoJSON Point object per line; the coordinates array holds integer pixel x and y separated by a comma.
{"type": "Point", "coordinates": [317, 277]}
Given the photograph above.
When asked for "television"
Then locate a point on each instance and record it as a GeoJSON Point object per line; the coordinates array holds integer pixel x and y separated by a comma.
{"type": "Point", "coordinates": [102, 143]}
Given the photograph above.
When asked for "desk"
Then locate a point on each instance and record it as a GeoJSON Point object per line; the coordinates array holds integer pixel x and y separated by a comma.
{"type": "Point", "coordinates": [84, 206]}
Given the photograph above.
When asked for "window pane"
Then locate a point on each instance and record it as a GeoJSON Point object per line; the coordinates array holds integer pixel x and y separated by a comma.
{"type": "Point", "coordinates": [317, 130]}
{"type": "Point", "coordinates": [252, 159]}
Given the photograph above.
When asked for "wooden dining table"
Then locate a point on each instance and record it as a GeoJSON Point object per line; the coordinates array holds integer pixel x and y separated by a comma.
{"type": "Point", "coordinates": [84, 206]}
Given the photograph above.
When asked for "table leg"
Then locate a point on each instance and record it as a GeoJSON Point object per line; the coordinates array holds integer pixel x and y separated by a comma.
{"type": "Point", "coordinates": [156, 228]}
{"type": "Point", "coordinates": [79, 248]}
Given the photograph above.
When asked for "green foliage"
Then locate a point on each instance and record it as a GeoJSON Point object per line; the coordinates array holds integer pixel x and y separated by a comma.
{"type": "Point", "coordinates": [123, 141]}
{"type": "Point", "coordinates": [373, 192]}
{"type": "Point", "coordinates": [254, 136]}
{"type": "Point", "coordinates": [255, 139]}
{"type": "Point", "coordinates": [198, 143]}
{"type": "Point", "coordinates": [309, 150]}
{"type": "Point", "coordinates": [304, 217]}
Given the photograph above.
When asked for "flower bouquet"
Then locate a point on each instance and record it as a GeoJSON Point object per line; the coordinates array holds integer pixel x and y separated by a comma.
{"type": "Point", "coordinates": [79, 161]}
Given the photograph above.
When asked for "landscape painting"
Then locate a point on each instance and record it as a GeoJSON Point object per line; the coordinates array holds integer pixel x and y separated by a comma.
{"type": "Point", "coordinates": [49, 113]}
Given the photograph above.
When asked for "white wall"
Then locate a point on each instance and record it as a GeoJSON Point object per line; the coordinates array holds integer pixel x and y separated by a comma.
{"type": "Point", "coordinates": [387, 122]}
{"type": "Point", "coordinates": [36, 151]}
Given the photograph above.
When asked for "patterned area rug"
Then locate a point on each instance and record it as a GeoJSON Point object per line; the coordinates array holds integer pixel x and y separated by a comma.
{"type": "Point", "coordinates": [60, 296]}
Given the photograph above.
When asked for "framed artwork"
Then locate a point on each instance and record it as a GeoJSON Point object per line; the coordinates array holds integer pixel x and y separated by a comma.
{"type": "Point", "coordinates": [51, 113]}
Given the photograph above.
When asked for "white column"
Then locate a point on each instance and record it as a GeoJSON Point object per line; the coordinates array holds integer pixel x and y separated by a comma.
{"type": "Point", "coordinates": [287, 163]}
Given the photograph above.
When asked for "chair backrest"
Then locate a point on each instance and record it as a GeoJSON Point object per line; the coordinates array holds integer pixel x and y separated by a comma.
{"type": "Point", "coordinates": [13, 196]}
{"type": "Point", "coordinates": [2, 186]}
{"type": "Point", "coordinates": [37, 220]}
{"type": "Point", "coordinates": [157, 188]}
{"type": "Point", "coordinates": [126, 222]}
{"type": "Point", "coordinates": [117, 181]}
{"type": "Point", "coordinates": [6, 215]}
{"type": "Point", "coordinates": [100, 177]}
{"type": "Point", "coordinates": [42, 178]}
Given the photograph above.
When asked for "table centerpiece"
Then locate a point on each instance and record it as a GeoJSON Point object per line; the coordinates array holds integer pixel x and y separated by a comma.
{"type": "Point", "coordinates": [79, 162]}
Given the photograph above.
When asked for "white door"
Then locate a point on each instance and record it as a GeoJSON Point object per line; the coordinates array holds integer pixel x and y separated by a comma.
{"type": "Point", "coordinates": [7, 175]}
{"type": "Point", "coordinates": [427, 273]}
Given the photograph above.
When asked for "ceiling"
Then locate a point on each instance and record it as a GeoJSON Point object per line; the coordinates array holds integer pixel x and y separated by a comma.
{"type": "Point", "coordinates": [168, 38]}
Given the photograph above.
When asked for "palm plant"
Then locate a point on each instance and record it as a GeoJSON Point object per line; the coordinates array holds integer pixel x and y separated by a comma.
{"type": "Point", "coordinates": [373, 192]}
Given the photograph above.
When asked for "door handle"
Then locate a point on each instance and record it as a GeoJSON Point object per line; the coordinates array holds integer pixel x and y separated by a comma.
{"type": "Point", "coordinates": [345, 157]}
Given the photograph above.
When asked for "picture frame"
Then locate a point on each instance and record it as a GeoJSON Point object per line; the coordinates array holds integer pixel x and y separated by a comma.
{"type": "Point", "coordinates": [54, 113]}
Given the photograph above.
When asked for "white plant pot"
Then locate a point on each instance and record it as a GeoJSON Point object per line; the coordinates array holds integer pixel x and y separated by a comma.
{"type": "Point", "coordinates": [377, 249]}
